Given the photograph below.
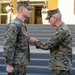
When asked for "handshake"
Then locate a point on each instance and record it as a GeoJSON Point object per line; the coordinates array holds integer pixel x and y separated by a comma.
{"type": "Point", "coordinates": [32, 40]}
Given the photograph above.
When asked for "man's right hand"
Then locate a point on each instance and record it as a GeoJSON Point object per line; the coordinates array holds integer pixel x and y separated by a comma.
{"type": "Point", "coordinates": [32, 40]}
{"type": "Point", "coordinates": [9, 68]}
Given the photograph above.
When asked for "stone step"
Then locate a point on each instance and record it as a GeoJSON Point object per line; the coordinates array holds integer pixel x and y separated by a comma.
{"type": "Point", "coordinates": [2, 61]}
{"type": "Point", "coordinates": [2, 34]}
{"type": "Point", "coordinates": [73, 63]}
{"type": "Point", "coordinates": [73, 71]}
{"type": "Point", "coordinates": [2, 31]}
{"type": "Point", "coordinates": [48, 26]}
{"type": "Point", "coordinates": [73, 44]}
{"type": "Point", "coordinates": [4, 27]}
{"type": "Point", "coordinates": [39, 25]}
{"type": "Point", "coordinates": [37, 31]}
{"type": "Point", "coordinates": [2, 41]}
{"type": "Point", "coordinates": [5, 73]}
{"type": "Point", "coordinates": [36, 69]}
{"type": "Point", "coordinates": [2, 67]}
{"type": "Point", "coordinates": [30, 69]}
{"type": "Point", "coordinates": [40, 36]}
{"type": "Point", "coordinates": [36, 53]}
{"type": "Point", "coordinates": [37, 74]}
{"type": "Point", "coordinates": [1, 38]}
{"type": "Point", "coordinates": [45, 31]}
{"type": "Point", "coordinates": [37, 61]}
{"type": "Point", "coordinates": [36, 36]}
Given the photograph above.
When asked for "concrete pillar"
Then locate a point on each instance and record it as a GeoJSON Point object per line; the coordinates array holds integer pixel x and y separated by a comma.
{"type": "Point", "coordinates": [14, 3]}
{"type": "Point", "coordinates": [52, 4]}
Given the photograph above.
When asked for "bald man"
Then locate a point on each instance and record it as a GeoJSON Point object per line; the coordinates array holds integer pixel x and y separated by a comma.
{"type": "Point", "coordinates": [60, 45]}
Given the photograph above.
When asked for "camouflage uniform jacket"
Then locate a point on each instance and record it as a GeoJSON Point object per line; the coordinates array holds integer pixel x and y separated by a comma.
{"type": "Point", "coordinates": [16, 46]}
{"type": "Point", "coordinates": [60, 45]}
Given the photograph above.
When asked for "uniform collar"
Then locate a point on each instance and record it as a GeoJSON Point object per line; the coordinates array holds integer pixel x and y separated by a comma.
{"type": "Point", "coordinates": [60, 26]}
{"type": "Point", "coordinates": [19, 20]}
{"type": "Point", "coordinates": [22, 23]}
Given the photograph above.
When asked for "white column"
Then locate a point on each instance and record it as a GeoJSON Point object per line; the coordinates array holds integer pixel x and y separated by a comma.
{"type": "Point", "coordinates": [67, 9]}
{"type": "Point", "coordinates": [0, 13]}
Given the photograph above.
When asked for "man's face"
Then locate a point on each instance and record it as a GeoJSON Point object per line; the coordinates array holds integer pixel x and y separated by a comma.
{"type": "Point", "coordinates": [52, 21]}
{"type": "Point", "coordinates": [25, 12]}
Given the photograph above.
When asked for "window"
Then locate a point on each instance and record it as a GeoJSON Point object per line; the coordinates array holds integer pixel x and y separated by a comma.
{"type": "Point", "coordinates": [3, 7]}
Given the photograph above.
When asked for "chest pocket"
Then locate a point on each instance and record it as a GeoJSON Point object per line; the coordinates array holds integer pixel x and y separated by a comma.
{"type": "Point", "coordinates": [24, 31]}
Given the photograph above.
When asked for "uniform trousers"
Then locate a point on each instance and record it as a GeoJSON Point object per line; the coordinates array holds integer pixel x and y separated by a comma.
{"type": "Point", "coordinates": [19, 70]}
{"type": "Point", "coordinates": [61, 72]}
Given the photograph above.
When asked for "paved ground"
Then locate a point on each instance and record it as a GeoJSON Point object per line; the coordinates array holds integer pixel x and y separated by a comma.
{"type": "Point", "coordinates": [34, 50]}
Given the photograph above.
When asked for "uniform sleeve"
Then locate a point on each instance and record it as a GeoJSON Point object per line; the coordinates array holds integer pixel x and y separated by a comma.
{"type": "Point", "coordinates": [55, 40]}
{"type": "Point", "coordinates": [9, 44]}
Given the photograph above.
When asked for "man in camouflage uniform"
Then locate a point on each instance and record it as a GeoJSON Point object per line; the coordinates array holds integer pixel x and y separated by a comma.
{"type": "Point", "coordinates": [16, 44]}
{"type": "Point", "coordinates": [60, 45]}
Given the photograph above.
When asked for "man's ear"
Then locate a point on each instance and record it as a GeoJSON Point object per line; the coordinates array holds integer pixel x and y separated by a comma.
{"type": "Point", "coordinates": [20, 9]}
{"type": "Point", "coordinates": [55, 18]}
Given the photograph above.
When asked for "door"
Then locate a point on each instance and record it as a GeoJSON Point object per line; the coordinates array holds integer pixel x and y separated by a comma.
{"type": "Point", "coordinates": [38, 18]}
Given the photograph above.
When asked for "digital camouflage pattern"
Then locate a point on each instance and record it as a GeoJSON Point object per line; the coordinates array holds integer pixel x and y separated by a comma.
{"type": "Point", "coordinates": [19, 70]}
{"type": "Point", "coordinates": [60, 45]}
{"type": "Point", "coordinates": [16, 46]}
{"type": "Point", "coordinates": [61, 72]}
{"type": "Point", "coordinates": [52, 12]}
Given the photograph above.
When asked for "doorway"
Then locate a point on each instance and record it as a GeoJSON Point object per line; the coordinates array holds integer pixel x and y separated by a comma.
{"type": "Point", "coordinates": [38, 17]}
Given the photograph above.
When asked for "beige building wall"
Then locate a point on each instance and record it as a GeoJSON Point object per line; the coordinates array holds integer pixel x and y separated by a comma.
{"type": "Point", "coordinates": [32, 18]}
{"type": "Point", "coordinates": [14, 2]}
{"type": "Point", "coordinates": [52, 4]}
